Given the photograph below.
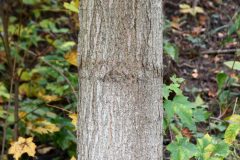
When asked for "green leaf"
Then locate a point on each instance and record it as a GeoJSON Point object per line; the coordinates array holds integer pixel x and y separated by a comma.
{"type": "Point", "coordinates": [67, 45]}
{"type": "Point", "coordinates": [4, 92]}
{"type": "Point", "coordinates": [233, 64]}
{"type": "Point", "coordinates": [183, 108]}
{"type": "Point", "coordinates": [30, 2]}
{"type": "Point", "coordinates": [186, 116]}
{"type": "Point", "coordinates": [171, 50]}
{"type": "Point", "coordinates": [174, 79]}
{"type": "Point", "coordinates": [199, 101]}
{"type": "Point", "coordinates": [169, 110]}
{"type": "Point", "coordinates": [166, 91]}
{"type": "Point", "coordinates": [71, 6]}
{"type": "Point", "coordinates": [233, 129]}
{"type": "Point", "coordinates": [200, 114]}
{"type": "Point", "coordinates": [210, 149]}
{"type": "Point", "coordinates": [221, 79]}
{"type": "Point", "coordinates": [181, 149]}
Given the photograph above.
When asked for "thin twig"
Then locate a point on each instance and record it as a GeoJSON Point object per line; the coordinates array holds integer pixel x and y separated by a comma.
{"type": "Point", "coordinates": [221, 51]}
{"type": "Point", "coordinates": [4, 37]}
{"type": "Point", "coordinates": [60, 108]}
{"type": "Point", "coordinates": [234, 108]}
{"type": "Point", "coordinates": [17, 121]}
{"type": "Point", "coordinates": [226, 84]}
{"type": "Point", "coordinates": [16, 108]}
{"type": "Point", "coordinates": [5, 122]}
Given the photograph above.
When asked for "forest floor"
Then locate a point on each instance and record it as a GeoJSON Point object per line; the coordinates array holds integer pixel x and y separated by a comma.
{"type": "Point", "coordinates": [204, 42]}
{"type": "Point", "coordinates": [202, 45]}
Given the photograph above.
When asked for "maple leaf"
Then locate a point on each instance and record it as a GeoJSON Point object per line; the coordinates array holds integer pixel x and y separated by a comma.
{"type": "Point", "coordinates": [73, 116]}
{"type": "Point", "coordinates": [44, 127]}
{"type": "Point", "coordinates": [22, 146]}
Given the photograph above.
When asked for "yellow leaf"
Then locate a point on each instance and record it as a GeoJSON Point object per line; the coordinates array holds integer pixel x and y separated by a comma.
{"type": "Point", "coordinates": [233, 119]}
{"type": "Point", "coordinates": [49, 98]}
{"type": "Point", "coordinates": [208, 151]}
{"type": "Point", "coordinates": [22, 146]}
{"type": "Point", "coordinates": [30, 90]}
{"type": "Point", "coordinates": [73, 158]}
{"type": "Point", "coordinates": [71, 58]}
{"type": "Point", "coordinates": [22, 114]}
{"type": "Point", "coordinates": [42, 126]}
{"type": "Point", "coordinates": [73, 116]}
{"type": "Point", "coordinates": [185, 8]}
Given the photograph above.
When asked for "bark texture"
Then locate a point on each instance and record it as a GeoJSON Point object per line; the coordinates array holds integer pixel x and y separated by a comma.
{"type": "Point", "coordinates": [120, 73]}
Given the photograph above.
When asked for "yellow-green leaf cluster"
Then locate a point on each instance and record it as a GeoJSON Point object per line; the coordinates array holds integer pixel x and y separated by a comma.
{"type": "Point", "coordinates": [185, 8]}
{"type": "Point", "coordinates": [72, 6]}
{"type": "Point", "coordinates": [42, 126]}
{"type": "Point", "coordinates": [233, 129]}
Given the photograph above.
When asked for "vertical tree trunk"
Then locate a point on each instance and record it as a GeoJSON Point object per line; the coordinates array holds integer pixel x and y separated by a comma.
{"type": "Point", "coordinates": [120, 72]}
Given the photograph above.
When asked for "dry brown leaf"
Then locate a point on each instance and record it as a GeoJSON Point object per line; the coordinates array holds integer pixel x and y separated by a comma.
{"type": "Point", "coordinates": [212, 93]}
{"type": "Point", "coordinates": [195, 73]}
{"type": "Point", "coordinates": [186, 133]}
{"type": "Point", "coordinates": [175, 23]}
{"type": "Point", "coordinates": [202, 20]}
{"type": "Point", "coordinates": [197, 30]}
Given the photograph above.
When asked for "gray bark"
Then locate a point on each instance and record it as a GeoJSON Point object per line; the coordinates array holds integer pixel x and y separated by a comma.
{"type": "Point", "coordinates": [120, 80]}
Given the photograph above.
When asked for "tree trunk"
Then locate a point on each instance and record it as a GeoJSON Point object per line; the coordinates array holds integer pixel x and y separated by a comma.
{"type": "Point", "coordinates": [120, 73]}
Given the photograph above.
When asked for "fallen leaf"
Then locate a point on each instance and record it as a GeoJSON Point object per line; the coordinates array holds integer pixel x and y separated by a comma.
{"type": "Point", "coordinates": [195, 73]}
{"type": "Point", "coordinates": [217, 59]}
{"type": "Point", "coordinates": [22, 146]}
{"type": "Point", "coordinates": [212, 93]}
{"type": "Point", "coordinates": [175, 23]}
{"type": "Point", "coordinates": [186, 132]}
{"type": "Point", "coordinates": [202, 20]}
{"type": "Point", "coordinates": [231, 44]}
{"type": "Point", "coordinates": [197, 30]}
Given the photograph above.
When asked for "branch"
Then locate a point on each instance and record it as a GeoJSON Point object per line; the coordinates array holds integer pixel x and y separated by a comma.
{"type": "Point", "coordinates": [219, 51]}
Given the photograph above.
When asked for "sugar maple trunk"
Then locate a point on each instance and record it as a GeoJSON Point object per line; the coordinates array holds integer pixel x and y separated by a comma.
{"type": "Point", "coordinates": [120, 77]}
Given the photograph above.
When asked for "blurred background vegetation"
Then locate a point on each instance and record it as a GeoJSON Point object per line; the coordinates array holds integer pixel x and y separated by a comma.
{"type": "Point", "coordinates": [39, 79]}
{"type": "Point", "coordinates": [38, 75]}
